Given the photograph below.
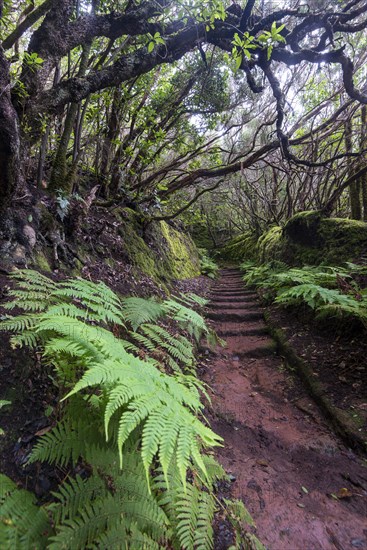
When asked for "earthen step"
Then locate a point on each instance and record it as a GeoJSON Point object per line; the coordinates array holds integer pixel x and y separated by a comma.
{"type": "Point", "coordinates": [241, 316]}
{"type": "Point", "coordinates": [242, 331]}
{"type": "Point", "coordinates": [229, 293]}
{"type": "Point", "coordinates": [245, 347]}
{"type": "Point", "coordinates": [232, 278]}
{"type": "Point", "coordinates": [224, 306]}
{"type": "Point", "coordinates": [224, 286]}
{"type": "Point", "coordinates": [228, 300]}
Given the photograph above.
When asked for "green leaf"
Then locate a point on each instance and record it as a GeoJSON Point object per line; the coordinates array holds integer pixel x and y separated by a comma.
{"type": "Point", "coordinates": [238, 61]}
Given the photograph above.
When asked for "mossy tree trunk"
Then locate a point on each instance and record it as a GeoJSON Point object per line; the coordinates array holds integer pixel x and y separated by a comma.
{"type": "Point", "coordinates": [59, 180]}
{"type": "Point", "coordinates": [111, 135]}
{"type": "Point", "coordinates": [363, 146]}
{"type": "Point", "coordinates": [355, 187]}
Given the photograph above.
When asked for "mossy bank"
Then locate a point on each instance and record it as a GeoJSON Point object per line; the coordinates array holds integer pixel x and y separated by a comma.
{"type": "Point", "coordinates": [307, 238]}
{"type": "Point", "coordinates": [157, 250]}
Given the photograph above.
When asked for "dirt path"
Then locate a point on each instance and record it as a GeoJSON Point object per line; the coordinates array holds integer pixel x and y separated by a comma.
{"type": "Point", "coordinates": [285, 460]}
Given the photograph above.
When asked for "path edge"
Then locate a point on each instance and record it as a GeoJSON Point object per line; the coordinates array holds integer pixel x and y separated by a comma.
{"type": "Point", "coordinates": [339, 420]}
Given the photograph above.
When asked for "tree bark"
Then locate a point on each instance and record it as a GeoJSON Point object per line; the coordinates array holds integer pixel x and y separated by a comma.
{"type": "Point", "coordinates": [58, 178]}
{"type": "Point", "coordinates": [10, 165]}
{"type": "Point", "coordinates": [355, 188]}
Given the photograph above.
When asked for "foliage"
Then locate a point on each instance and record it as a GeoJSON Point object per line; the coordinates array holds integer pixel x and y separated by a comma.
{"type": "Point", "coordinates": [22, 523]}
{"type": "Point", "coordinates": [139, 432]}
{"type": "Point", "coordinates": [314, 296]}
{"type": "Point", "coordinates": [330, 291]}
{"type": "Point", "coordinates": [207, 265]}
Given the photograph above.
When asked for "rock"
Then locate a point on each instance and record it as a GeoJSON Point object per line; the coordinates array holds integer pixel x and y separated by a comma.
{"type": "Point", "coordinates": [19, 256]}
{"type": "Point", "coordinates": [30, 235]}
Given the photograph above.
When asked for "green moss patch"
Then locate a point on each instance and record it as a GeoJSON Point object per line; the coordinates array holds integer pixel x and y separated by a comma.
{"type": "Point", "coordinates": [180, 254]}
{"type": "Point", "coordinates": [159, 250]}
{"type": "Point", "coordinates": [270, 244]}
{"type": "Point", "coordinates": [240, 248]}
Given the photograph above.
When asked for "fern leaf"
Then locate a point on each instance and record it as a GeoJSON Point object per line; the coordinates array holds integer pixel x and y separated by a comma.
{"type": "Point", "coordinates": [137, 311]}
{"type": "Point", "coordinates": [22, 523]}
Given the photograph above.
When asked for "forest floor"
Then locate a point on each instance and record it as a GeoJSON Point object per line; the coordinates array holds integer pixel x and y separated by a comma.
{"type": "Point", "coordinates": [303, 487]}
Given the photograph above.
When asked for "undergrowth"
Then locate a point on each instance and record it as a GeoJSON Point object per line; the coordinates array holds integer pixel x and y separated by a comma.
{"type": "Point", "coordinates": [132, 419]}
{"type": "Point", "coordinates": [207, 265]}
{"type": "Point", "coordinates": [331, 292]}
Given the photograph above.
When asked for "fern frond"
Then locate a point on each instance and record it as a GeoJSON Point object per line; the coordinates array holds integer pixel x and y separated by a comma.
{"type": "Point", "coordinates": [21, 323]}
{"type": "Point", "coordinates": [186, 317]}
{"type": "Point", "coordinates": [178, 347]}
{"type": "Point", "coordinates": [31, 278]}
{"type": "Point", "coordinates": [67, 442]}
{"type": "Point", "coordinates": [344, 311]}
{"type": "Point", "coordinates": [137, 311]}
{"type": "Point", "coordinates": [74, 494]}
{"type": "Point", "coordinates": [314, 296]}
{"type": "Point", "coordinates": [22, 523]}
{"type": "Point", "coordinates": [191, 299]}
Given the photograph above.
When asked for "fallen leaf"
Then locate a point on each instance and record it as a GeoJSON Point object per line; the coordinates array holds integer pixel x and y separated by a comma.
{"type": "Point", "coordinates": [300, 505]}
{"type": "Point", "coordinates": [262, 462]}
{"type": "Point", "coordinates": [304, 490]}
{"type": "Point", "coordinates": [344, 493]}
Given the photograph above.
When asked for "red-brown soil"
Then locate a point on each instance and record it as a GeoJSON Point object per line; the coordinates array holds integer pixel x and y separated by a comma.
{"type": "Point", "coordinates": [289, 467]}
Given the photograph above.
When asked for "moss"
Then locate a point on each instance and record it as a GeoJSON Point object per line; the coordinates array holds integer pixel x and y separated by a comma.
{"type": "Point", "coordinates": [139, 254]}
{"type": "Point", "coordinates": [159, 251]}
{"type": "Point", "coordinates": [240, 248]}
{"type": "Point", "coordinates": [344, 239]}
{"type": "Point", "coordinates": [41, 262]}
{"type": "Point", "coordinates": [181, 255]}
{"type": "Point", "coordinates": [312, 238]}
{"type": "Point", "coordinates": [270, 244]}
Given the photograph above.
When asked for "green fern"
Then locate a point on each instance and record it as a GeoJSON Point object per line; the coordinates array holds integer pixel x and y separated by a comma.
{"type": "Point", "coordinates": [314, 296]}
{"type": "Point", "coordinates": [141, 310]}
{"type": "Point", "coordinates": [179, 350]}
{"type": "Point", "coordinates": [187, 318]}
{"type": "Point", "coordinates": [191, 299]}
{"type": "Point", "coordinates": [22, 523]}
{"type": "Point", "coordinates": [139, 431]}
{"type": "Point", "coordinates": [342, 311]}
{"type": "Point", "coordinates": [110, 503]}
{"type": "Point", "coordinates": [207, 265]}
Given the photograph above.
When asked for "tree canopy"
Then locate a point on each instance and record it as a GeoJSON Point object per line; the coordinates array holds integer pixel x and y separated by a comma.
{"type": "Point", "coordinates": [158, 97]}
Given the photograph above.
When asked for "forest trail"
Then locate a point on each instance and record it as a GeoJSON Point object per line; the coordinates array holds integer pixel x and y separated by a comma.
{"type": "Point", "coordinates": [285, 459]}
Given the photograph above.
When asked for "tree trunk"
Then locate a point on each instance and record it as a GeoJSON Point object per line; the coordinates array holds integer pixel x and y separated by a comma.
{"type": "Point", "coordinates": [363, 145]}
{"type": "Point", "coordinates": [111, 135]}
{"type": "Point", "coordinates": [10, 166]}
{"type": "Point", "coordinates": [355, 188]}
{"type": "Point", "coordinates": [59, 178]}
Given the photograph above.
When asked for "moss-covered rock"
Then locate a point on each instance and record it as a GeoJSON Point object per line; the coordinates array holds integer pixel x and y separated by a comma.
{"type": "Point", "coordinates": [270, 245]}
{"type": "Point", "coordinates": [312, 238]}
{"type": "Point", "coordinates": [307, 238]}
{"type": "Point", "coordinates": [160, 251]}
{"type": "Point", "coordinates": [180, 253]}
